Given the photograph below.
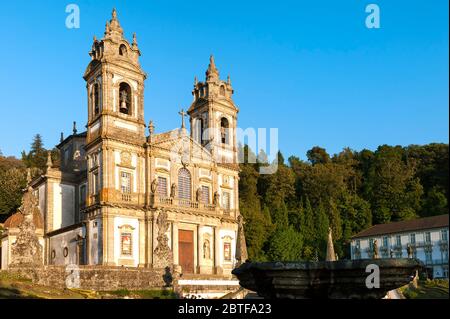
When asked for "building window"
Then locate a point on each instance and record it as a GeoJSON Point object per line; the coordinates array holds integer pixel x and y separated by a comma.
{"type": "Point", "coordinates": [444, 255]}
{"type": "Point", "coordinates": [125, 182]}
{"type": "Point", "coordinates": [205, 195]}
{"type": "Point", "coordinates": [385, 241]}
{"type": "Point", "coordinates": [82, 198]}
{"type": "Point", "coordinates": [125, 98]}
{"type": "Point", "coordinates": [96, 98]}
{"type": "Point", "coordinates": [123, 50]}
{"type": "Point", "coordinates": [226, 200]}
{"type": "Point", "coordinates": [398, 240]}
{"type": "Point", "coordinates": [96, 183]}
{"type": "Point", "coordinates": [445, 271]}
{"type": "Point", "coordinates": [444, 235]}
{"type": "Point", "coordinates": [398, 254]}
{"type": "Point", "coordinates": [162, 187]}
{"type": "Point", "coordinates": [222, 90]}
{"type": "Point", "coordinates": [412, 238]}
{"type": "Point", "coordinates": [126, 240]}
{"type": "Point", "coordinates": [428, 256]}
{"type": "Point", "coordinates": [224, 131]}
{"type": "Point", "coordinates": [227, 251]}
{"type": "Point", "coordinates": [428, 237]}
{"type": "Point", "coordinates": [184, 184]}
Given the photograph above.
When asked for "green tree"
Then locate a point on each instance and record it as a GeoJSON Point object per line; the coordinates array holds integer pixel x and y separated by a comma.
{"type": "Point", "coordinates": [37, 157]}
{"type": "Point", "coordinates": [285, 245]}
{"type": "Point", "coordinates": [12, 182]}
{"type": "Point", "coordinates": [318, 155]}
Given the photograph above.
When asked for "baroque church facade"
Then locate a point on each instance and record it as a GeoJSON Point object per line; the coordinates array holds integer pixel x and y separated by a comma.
{"type": "Point", "coordinates": [123, 195]}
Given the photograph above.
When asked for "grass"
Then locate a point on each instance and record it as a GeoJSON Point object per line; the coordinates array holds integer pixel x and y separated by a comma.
{"type": "Point", "coordinates": [427, 289]}
{"type": "Point", "coordinates": [143, 294]}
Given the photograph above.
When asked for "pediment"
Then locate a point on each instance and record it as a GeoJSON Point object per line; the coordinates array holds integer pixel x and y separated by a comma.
{"type": "Point", "coordinates": [181, 147]}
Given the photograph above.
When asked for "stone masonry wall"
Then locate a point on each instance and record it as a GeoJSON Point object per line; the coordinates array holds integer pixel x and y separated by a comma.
{"type": "Point", "coordinates": [98, 278]}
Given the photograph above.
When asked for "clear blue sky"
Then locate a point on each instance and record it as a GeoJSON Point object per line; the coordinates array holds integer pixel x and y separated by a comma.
{"type": "Point", "coordinates": [310, 68]}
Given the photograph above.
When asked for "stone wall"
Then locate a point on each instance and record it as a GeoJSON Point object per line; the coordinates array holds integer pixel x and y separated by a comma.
{"type": "Point", "coordinates": [98, 278]}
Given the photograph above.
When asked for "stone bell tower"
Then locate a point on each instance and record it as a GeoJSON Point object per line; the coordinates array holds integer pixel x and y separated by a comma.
{"type": "Point", "coordinates": [115, 91]}
{"type": "Point", "coordinates": [213, 115]}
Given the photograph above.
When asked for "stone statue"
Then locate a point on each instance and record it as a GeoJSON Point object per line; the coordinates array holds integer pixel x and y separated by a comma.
{"type": "Point", "coordinates": [154, 186]}
{"type": "Point", "coordinates": [173, 191]}
{"type": "Point", "coordinates": [206, 249]}
{"type": "Point", "coordinates": [409, 251]}
{"type": "Point", "coordinates": [391, 253]}
{"type": "Point", "coordinates": [198, 195]}
{"type": "Point", "coordinates": [163, 255]}
{"type": "Point", "coordinates": [27, 251]}
{"type": "Point", "coordinates": [375, 249]}
{"type": "Point", "coordinates": [216, 198]}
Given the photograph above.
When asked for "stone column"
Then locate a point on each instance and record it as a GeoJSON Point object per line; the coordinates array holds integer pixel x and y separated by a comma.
{"type": "Point", "coordinates": [199, 249]}
{"type": "Point", "coordinates": [217, 263]}
{"type": "Point", "coordinates": [142, 242]}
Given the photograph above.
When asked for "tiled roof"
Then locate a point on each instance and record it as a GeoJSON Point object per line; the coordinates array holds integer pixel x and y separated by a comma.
{"type": "Point", "coordinates": [405, 226]}
{"type": "Point", "coordinates": [14, 220]}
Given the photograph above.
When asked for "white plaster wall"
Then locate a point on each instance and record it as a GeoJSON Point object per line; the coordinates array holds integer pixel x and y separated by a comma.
{"type": "Point", "coordinates": [4, 245]}
{"type": "Point", "coordinates": [60, 241]}
{"type": "Point", "coordinates": [95, 241]}
{"type": "Point", "coordinates": [63, 205]}
{"type": "Point", "coordinates": [133, 222]}
{"type": "Point", "coordinates": [41, 191]}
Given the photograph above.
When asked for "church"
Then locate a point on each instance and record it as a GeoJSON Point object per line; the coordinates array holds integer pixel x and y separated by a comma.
{"type": "Point", "coordinates": [123, 195]}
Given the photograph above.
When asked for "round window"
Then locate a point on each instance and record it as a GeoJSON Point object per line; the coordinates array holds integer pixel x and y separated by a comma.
{"type": "Point", "coordinates": [66, 251]}
{"type": "Point", "coordinates": [53, 254]}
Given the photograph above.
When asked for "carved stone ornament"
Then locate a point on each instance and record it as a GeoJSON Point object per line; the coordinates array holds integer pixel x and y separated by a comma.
{"type": "Point", "coordinates": [27, 251]}
{"type": "Point", "coordinates": [163, 256]}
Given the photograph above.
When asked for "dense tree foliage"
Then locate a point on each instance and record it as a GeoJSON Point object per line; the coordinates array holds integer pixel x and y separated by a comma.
{"type": "Point", "coordinates": [288, 213]}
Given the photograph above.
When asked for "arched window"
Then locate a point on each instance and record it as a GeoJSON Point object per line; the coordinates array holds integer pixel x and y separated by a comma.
{"type": "Point", "coordinates": [184, 184]}
{"type": "Point", "coordinates": [123, 50]}
{"type": "Point", "coordinates": [222, 90]}
{"type": "Point", "coordinates": [96, 99]}
{"type": "Point", "coordinates": [224, 131]}
{"type": "Point", "coordinates": [202, 128]}
{"type": "Point", "coordinates": [125, 98]}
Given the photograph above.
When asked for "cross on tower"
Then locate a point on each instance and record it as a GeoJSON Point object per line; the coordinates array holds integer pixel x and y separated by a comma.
{"type": "Point", "coordinates": [183, 115]}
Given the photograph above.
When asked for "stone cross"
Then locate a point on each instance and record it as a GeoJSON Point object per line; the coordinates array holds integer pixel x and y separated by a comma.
{"type": "Point", "coordinates": [183, 115]}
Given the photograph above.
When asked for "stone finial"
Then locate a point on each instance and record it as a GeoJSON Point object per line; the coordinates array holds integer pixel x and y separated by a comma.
{"type": "Point", "coordinates": [61, 139]}
{"type": "Point", "coordinates": [75, 128]}
{"type": "Point", "coordinates": [95, 38]}
{"type": "Point", "coordinates": [212, 73]}
{"type": "Point", "coordinates": [228, 80]}
{"type": "Point", "coordinates": [114, 14]}
{"type": "Point", "coordinates": [49, 159]}
{"type": "Point", "coordinates": [241, 245]}
{"type": "Point", "coordinates": [151, 128]}
{"type": "Point", "coordinates": [28, 176]}
{"type": "Point", "coordinates": [331, 255]}
{"type": "Point", "coordinates": [134, 39]}
{"type": "Point", "coordinates": [195, 81]}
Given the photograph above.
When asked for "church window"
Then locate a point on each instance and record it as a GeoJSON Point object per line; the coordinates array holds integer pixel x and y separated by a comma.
{"type": "Point", "coordinates": [184, 184]}
{"type": "Point", "coordinates": [125, 98]}
{"type": "Point", "coordinates": [224, 131]}
{"type": "Point", "coordinates": [123, 50]}
{"type": "Point", "coordinates": [222, 90]}
{"type": "Point", "coordinates": [82, 195]}
{"type": "Point", "coordinates": [162, 187]}
{"type": "Point", "coordinates": [205, 195]}
{"type": "Point", "coordinates": [125, 182]}
{"type": "Point", "coordinates": [66, 251]}
{"type": "Point", "coordinates": [96, 99]}
{"type": "Point", "coordinates": [126, 241]}
{"type": "Point", "coordinates": [226, 200]}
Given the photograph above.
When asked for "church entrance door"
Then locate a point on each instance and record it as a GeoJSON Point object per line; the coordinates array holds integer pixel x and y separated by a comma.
{"type": "Point", "coordinates": [186, 251]}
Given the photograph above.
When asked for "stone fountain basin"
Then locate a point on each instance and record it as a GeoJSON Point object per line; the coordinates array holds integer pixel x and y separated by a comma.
{"type": "Point", "coordinates": [345, 279]}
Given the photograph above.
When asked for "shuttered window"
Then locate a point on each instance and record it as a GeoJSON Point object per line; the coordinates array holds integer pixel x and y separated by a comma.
{"type": "Point", "coordinates": [162, 187]}
{"type": "Point", "coordinates": [205, 194]}
{"type": "Point", "coordinates": [184, 184]}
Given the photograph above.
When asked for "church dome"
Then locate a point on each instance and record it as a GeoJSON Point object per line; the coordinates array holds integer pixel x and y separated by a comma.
{"type": "Point", "coordinates": [14, 221]}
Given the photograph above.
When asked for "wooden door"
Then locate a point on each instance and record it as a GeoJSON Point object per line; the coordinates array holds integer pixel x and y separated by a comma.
{"type": "Point", "coordinates": [186, 251]}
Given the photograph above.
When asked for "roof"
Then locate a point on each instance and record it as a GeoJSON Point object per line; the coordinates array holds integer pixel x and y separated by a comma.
{"type": "Point", "coordinates": [14, 220]}
{"type": "Point", "coordinates": [405, 226]}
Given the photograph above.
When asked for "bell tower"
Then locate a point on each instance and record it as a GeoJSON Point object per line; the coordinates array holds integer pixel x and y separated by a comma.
{"type": "Point", "coordinates": [115, 88]}
{"type": "Point", "coordinates": [213, 115]}
{"type": "Point", "coordinates": [115, 126]}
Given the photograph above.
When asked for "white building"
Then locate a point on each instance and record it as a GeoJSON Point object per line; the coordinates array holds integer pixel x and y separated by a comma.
{"type": "Point", "coordinates": [427, 237]}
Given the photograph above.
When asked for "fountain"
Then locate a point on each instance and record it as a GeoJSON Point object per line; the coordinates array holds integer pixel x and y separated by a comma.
{"type": "Point", "coordinates": [344, 279]}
